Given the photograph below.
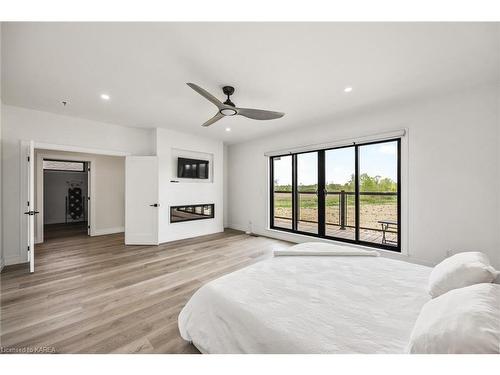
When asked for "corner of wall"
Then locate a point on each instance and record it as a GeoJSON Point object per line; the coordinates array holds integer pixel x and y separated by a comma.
{"type": "Point", "coordinates": [225, 190]}
{"type": "Point", "coordinates": [154, 141]}
{"type": "Point", "coordinates": [2, 262]}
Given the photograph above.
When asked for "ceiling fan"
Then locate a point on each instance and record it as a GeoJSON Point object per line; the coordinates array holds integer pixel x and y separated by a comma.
{"type": "Point", "coordinates": [228, 108]}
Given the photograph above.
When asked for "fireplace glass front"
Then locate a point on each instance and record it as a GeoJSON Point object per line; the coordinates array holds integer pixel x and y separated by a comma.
{"type": "Point", "coordinates": [191, 212]}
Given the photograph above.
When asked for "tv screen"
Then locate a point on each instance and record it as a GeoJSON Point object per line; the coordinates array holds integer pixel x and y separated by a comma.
{"type": "Point", "coordinates": [192, 168]}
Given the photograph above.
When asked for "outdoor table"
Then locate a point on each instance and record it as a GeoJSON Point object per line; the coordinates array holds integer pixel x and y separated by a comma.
{"type": "Point", "coordinates": [386, 226]}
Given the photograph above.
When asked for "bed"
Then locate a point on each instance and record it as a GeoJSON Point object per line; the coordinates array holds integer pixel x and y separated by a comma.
{"type": "Point", "coordinates": [308, 304]}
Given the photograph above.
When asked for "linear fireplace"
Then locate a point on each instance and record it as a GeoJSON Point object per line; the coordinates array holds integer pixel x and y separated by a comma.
{"type": "Point", "coordinates": [191, 212]}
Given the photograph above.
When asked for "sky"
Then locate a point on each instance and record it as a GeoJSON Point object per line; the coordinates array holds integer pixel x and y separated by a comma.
{"type": "Point", "coordinates": [375, 160]}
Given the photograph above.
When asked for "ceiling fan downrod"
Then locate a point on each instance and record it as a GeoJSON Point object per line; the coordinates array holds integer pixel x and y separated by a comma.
{"type": "Point", "coordinates": [228, 91]}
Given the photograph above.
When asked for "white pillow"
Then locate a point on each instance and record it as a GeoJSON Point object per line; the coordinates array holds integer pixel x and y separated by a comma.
{"type": "Point", "coordinates": [462, 321]}
{"type": "Point", "coordinates": [460, 270]}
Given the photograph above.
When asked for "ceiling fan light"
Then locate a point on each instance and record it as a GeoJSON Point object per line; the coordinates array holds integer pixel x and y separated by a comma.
{"type": "Point", "coordinates": [228, 112]}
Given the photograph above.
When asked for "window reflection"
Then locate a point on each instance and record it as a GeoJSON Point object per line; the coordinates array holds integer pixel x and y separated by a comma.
{"type": "Point", "coordinates": [191, 212]}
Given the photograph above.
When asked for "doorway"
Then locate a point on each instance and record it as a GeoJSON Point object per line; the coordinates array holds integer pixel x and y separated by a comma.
{"type": "Point", "coordinates": [66, 188]}
{"type": "Point", "coordinates": [64, 182]}
{"type": "Point", "coordinates": [102, 204]}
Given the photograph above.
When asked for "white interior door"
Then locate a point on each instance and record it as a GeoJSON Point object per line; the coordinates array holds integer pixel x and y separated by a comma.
{"type": "Point", "coordinates": [141, 200]}
{"type": "Point", "coordinates": [30, 209]}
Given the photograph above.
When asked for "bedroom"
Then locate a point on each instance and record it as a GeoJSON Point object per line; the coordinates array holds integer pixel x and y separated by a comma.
{"type": "Point", "coordinates": [310, 188]}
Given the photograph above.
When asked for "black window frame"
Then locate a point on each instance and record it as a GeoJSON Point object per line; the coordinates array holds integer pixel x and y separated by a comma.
{"type": "Point", "coordinates": [322, 196]}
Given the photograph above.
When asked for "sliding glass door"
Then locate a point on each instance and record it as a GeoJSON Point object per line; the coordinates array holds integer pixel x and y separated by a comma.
{"type": "Point", "coordinates": [378, 193]}
{"type": "Point", "coordinates": [340, 207]}
{"type": "Point", "coordinates": [349, 194]}
{"type": "Point", "coordinates": [282, 192]}
{"type": "Point", "coordinates": [307, 192]}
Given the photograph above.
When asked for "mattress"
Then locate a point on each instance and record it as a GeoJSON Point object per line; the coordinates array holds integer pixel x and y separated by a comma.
{"type": "Point", "coordinates": [308, 304]}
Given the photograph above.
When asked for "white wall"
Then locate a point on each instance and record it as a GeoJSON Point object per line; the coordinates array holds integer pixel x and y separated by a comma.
{"type": "Point", "coordinates": [226, 185]}
{"type": "Point", "coordinates": [192, 192]}
{"type": "Point", "coordinates": [25, 124]}
{"type": "Point", "coordinates": [55, 192]}
{"type": "Point", "coordinates": [1, 159]}
{"type": "Point", "coordinates": [454, 173]}
{"type": "Point", "coordinates": [109, 194]}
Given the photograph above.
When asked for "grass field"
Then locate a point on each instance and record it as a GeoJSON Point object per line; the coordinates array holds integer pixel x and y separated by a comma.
{"type": "Point", "coordinates": [372, 208]}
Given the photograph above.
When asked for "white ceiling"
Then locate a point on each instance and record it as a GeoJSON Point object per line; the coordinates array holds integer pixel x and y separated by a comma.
{"type": "Point", "coordinates": [298, 68]}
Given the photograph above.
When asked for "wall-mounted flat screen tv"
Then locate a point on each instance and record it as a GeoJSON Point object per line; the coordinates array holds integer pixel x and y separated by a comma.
{"type": "Point", "coordinates": [192, 168]}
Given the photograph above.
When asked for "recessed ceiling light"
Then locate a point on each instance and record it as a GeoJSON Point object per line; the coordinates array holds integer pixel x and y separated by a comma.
{"type": "Point", "coordinates": [228, 129]}
{"type": "Point", "coordinates": [348, 89]}
{"type": "Point", "coordinates": [105, 97]}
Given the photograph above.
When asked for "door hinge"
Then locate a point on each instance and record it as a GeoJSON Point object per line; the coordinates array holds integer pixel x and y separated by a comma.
{"type": "Point", "coordinates": [27, 157]}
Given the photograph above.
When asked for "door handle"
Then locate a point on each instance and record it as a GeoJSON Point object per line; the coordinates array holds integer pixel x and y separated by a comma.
{"type": "Point", "coordinates": [154, 205]}
{"type": "Point", "coordinates": [31, 213]}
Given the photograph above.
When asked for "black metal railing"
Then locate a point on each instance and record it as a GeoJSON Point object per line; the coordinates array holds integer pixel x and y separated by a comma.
{"type": "Point", "coordinates": [343, 197]}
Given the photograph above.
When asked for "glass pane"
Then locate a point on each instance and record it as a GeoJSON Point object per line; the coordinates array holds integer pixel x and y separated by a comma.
{"type": "Point", "coordinates": [185, 213]}
{"type": "Point", "coordinates": [282, 182]}
{"type": "Point", "coordinates": [378, 201]}
{"type": "Point", "coordinates": [340, 207]}
{"type": "Point", "coordinates": [307, 185]}
{"type": "Point", "coordinates": [76, 166]}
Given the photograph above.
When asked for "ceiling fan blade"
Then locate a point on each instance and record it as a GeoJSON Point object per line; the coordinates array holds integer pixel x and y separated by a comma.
{"type": "Point", "coordinates": [259, 114]}
{"type": "Point", "coordinates": [206, 95]}
{"type": "Point", "coordinates": [216, 118]}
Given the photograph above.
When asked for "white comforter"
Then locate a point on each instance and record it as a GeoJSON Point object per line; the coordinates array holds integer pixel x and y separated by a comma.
{"type": "Point", "coordinates": [308, 304]}
{"type": "Point", "coordinates": [324, 249]}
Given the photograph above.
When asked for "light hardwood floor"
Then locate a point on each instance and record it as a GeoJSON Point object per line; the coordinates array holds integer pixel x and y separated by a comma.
{"type": "Point", "coordinates": [96, 295]}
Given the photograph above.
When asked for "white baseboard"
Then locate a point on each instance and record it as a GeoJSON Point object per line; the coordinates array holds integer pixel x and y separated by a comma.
{"type": "Point", "coordinates": [103, 232]}
{"type": "Point", "coordinates": [236, 227]}
{"type": "Point", "coordinates": [14, 260]}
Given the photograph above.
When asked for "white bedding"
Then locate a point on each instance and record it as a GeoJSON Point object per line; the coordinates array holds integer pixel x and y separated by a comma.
{"type": "Point", "coordinates": [323, 249]}
{"type": "Point", "coordinates": [308, 304]}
